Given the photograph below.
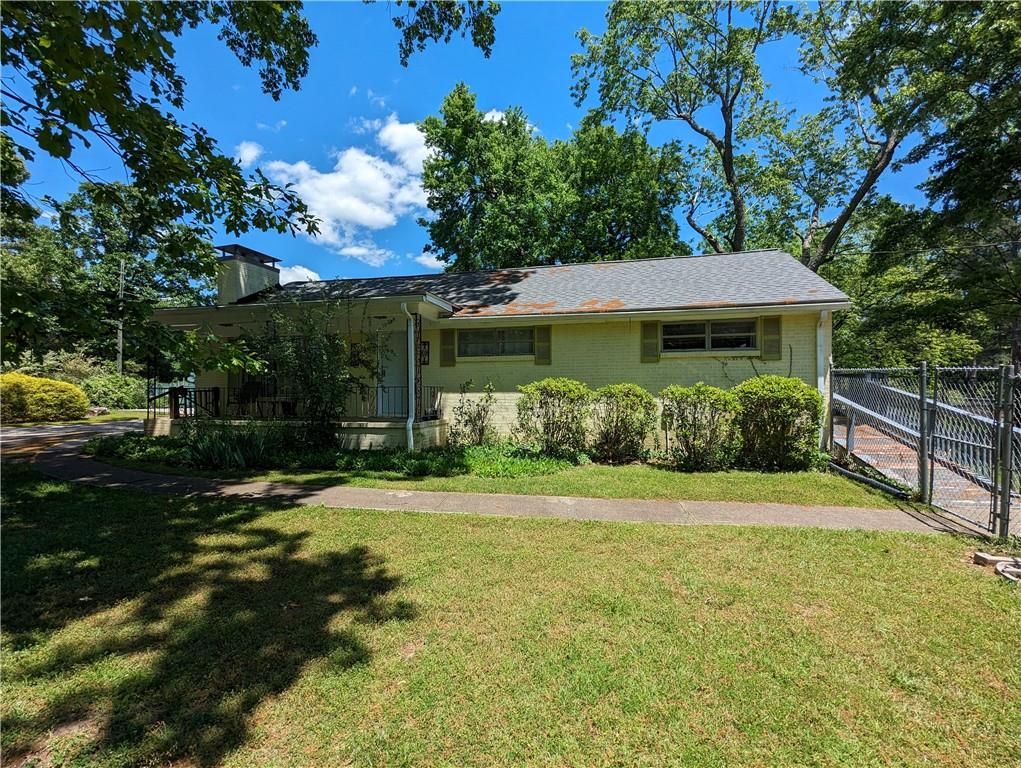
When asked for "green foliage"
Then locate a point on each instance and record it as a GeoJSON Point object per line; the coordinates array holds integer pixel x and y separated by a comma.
{"type": "Point", "coordinates": [115, 390]}
{"type": "Point", "coordinates": [553, 415]}
{"type": "Point", "coordinates": [473, 418]}
{"type": "Point", "coordinates": [212, 444]}
{"type": "Point", "coordinates": [29, 398]}
{"type": "Point", "coordinates": [97, 378]}
{"type": "Point", "coordinates": [779, 422]}
{"type": "Point", "coordinates": [101, 73]}
{"type": "Point", "coordinates": [307, 347]}
{"type": "Point", "coordinates": [624, 416]}
{"type": "Point", "coordinates": [436, 21]}
{"type": "Point", "coordinates": [162, 450]}
{"type": "Point", "coordinates": [502, 196]}
{"type": "Point", "coordinates": [501, 459]}
{"type": "Point", "coordinates": [701, 422]}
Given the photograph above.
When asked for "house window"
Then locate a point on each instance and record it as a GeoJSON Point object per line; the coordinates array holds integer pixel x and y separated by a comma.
{"type": "Point", "coordinates": [495, 342]}
{"type": "Point", "coordinates": [710, 335]}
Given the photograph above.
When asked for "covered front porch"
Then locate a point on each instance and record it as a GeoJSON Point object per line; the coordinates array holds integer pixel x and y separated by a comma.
{"type": "Point", "coordinates": [389, 407]}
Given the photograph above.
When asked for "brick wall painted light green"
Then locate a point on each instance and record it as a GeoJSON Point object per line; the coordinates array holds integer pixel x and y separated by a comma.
{"type": "Point", "coordinates": [610, 352]}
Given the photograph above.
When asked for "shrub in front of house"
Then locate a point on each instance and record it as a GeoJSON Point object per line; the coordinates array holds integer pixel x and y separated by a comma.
{"type": "Point", "coordinates": [701, 426]}
{"type": "Point", "coordinates": [779, 423]}
{"type": "Point", "coordinates": [553, 416]}
{"type": "Point", "coordinates": [472, 422]}
{"type": "Point", "coordinates": [623, 417]}
{"type": "Point", "coordinates": [115, 390]}
{"type": "Point", "coordinates": [213, 444]}
{"type": "Point", "coordinates": [169, 451]}
{"type": "Point", "coordinates": [31, 398]}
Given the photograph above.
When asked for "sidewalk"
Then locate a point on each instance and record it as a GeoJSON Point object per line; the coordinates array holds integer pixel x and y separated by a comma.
{"type": "Point", "coordinates": [66, 463]}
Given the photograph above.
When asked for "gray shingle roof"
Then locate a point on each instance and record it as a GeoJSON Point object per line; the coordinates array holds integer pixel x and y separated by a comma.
{"type": "Point", "coordinates": [750, 278]}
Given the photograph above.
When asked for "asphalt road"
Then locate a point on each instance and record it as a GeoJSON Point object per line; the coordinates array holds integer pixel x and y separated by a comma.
{"type": "Point", "coordinates": [22, 441]}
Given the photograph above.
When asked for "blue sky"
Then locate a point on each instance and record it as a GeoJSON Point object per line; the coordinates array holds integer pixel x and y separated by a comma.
{"type": "Point", "coordinates": [347, 139]}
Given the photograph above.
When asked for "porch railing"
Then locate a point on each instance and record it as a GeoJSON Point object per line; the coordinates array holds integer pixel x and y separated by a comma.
{"type": "Point", "coordinates": [260, 402]}
{"type": "Point", "coordinates": [183, 402]}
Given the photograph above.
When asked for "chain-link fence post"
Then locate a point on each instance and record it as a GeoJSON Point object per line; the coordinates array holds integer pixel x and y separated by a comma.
{"type": "Point", "coordinates": [923, 441]}
{"type": "Point", "coordinates": [1006, 447]}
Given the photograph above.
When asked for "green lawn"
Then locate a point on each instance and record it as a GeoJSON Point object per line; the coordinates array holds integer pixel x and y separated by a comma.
{"type": "Point", "coordinates": [152, 630]}
{"type": "Point", "coordinates": [637, 481]}
{"type": "Point", "coordinates": [114, 415]}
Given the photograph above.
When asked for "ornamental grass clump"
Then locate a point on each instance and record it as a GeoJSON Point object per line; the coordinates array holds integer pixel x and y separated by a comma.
{"type": "Point", "coordinates": [701, 424]}
{"type": "Point", "coordinates": [779, 421]}
{"type": "Point", "coordinates": [623, 417]}
{"type": "Point", "coordinates": [553, 416]}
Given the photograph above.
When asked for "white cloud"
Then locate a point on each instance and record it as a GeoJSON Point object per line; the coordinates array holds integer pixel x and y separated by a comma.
{"type": "Point", "coordinates": [375, 99]}
{"type": "Point", "coordinates": [406, 141]}
{"type": "Point", "coordinates": [363, 192]}
{"type": "Point", "coordinates": [353, 91]}
{"type": "Point", "coordinates": [247, 153]}
{"type": "Point", "coordinates": [429, 261]}
{"type": "Point", "coordinates": [297, 274]}
{"type": "Point", "coordinates": [362, 125]}
{"type": "Point", "coordinates": [278, 126]}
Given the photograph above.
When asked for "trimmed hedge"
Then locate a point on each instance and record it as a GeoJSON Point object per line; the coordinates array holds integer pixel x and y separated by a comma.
{"type": "Point", "coordinates": [553, 415]}
{"type": "Point", "coordinates": [701, 422]}
{"type": "Point", "coordinates": [31, 398]}
{"type": "Point", "coordinates": [623, 416]}
{"type": "Point", "coordinates": [779, 422]}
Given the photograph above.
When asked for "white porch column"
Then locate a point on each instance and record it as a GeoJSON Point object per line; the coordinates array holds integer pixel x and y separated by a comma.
{"type": "Point", "coordinates": [409, 425]}
{"type": "Point", "coordinates": [822, 364]}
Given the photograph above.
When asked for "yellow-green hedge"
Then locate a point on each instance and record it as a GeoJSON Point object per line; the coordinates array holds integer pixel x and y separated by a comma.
{"type": "Point", "coordinates": [30, 398]}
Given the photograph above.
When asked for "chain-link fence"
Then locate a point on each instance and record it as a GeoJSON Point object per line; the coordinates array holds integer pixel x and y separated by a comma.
{"type": "Point", "coordinates": [953, 435]}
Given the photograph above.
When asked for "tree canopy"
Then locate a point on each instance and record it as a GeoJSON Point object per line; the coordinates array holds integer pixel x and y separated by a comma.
{"type": "Point", "coordinates": [500, 195]}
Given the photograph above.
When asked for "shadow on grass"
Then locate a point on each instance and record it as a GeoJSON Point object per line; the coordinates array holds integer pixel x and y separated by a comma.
{"type": "Point", "coordinates": [220, 612]}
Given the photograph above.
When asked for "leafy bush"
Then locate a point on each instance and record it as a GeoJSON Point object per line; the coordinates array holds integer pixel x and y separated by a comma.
{"type": "Point", "coordinates": [170, 451]}
{"type": "Point", "coordinates": [232, 445]}
{"type": "Point", "coordinates": [624, 415]}
{"type": "Point", "coordinates": [114, 390]}
{"type": "Point", "coordinates": [553, 415]}
{"type": "Point", "coordinates": [473, 419]}
{"type": "Point", "coordinates": [779, 423]}
{"type": "Point", "coordinates": [29, 398]}
{"type": "Point", "coordinates": [701, 422]}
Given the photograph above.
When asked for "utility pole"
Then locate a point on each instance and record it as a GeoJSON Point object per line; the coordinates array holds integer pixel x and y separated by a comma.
{"type": "Point", "coordinates": [120, 319]}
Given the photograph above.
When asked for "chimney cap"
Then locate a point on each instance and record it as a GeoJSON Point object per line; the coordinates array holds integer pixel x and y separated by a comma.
{"type": "Point", "coordinates": [236, 250]}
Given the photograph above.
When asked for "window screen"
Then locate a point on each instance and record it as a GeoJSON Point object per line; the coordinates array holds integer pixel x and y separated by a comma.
{"type": "Point", "coordinates": [495, 342]}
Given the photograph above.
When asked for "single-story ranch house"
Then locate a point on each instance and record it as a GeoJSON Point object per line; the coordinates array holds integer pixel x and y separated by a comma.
{"type": "Point", "coordinates": [719, 318]}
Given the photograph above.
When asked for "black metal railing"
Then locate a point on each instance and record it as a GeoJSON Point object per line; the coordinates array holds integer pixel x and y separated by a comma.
{"type": "Point", "coordinates": [183, 402]}
{"type": "Point", "coordinates": [259, 401]}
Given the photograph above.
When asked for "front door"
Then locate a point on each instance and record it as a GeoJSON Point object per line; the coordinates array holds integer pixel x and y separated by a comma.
{"type": "Point", "coordinates": [392, 387]}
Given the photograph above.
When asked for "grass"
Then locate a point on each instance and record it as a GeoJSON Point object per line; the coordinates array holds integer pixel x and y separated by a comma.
{"type": "Point", "coordinates": [152, 630]}
{"type": "Point", "coordinates": [634, 481]}
{"type": "Point", "coordinates": [113, 415]}
{"type": "Point", "coordinates": [500, 470]}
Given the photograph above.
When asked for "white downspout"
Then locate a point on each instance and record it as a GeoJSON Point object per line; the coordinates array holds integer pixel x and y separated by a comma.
{"type": "Point", "coordinates": [822, 368]}
{"type": "Point", "coordinates": [409, 425]}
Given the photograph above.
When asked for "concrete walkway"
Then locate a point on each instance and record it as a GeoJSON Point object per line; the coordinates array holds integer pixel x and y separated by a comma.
{"type": "Point", "coordinates": [65, 462]}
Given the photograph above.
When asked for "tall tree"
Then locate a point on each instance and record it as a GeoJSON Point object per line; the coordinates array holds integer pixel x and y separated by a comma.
{"type": "Point", "coordinates": [893, 71]}
{"type": "Point", "coordinates": [694, 63]}
{"type": "Point", "coordinates": [502, 196]}
{"type": "Point", "coordinates": [623, 194]}
{"type": "Point", "coordinates": [492, 187]}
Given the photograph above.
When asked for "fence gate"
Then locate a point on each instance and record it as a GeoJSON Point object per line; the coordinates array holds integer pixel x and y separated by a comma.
{"type": "Point", "coordinates": [952, 435]}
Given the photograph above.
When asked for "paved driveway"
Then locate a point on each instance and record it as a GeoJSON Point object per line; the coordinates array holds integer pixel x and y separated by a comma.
{"type": "Point", "coordinates": [21, 441]}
